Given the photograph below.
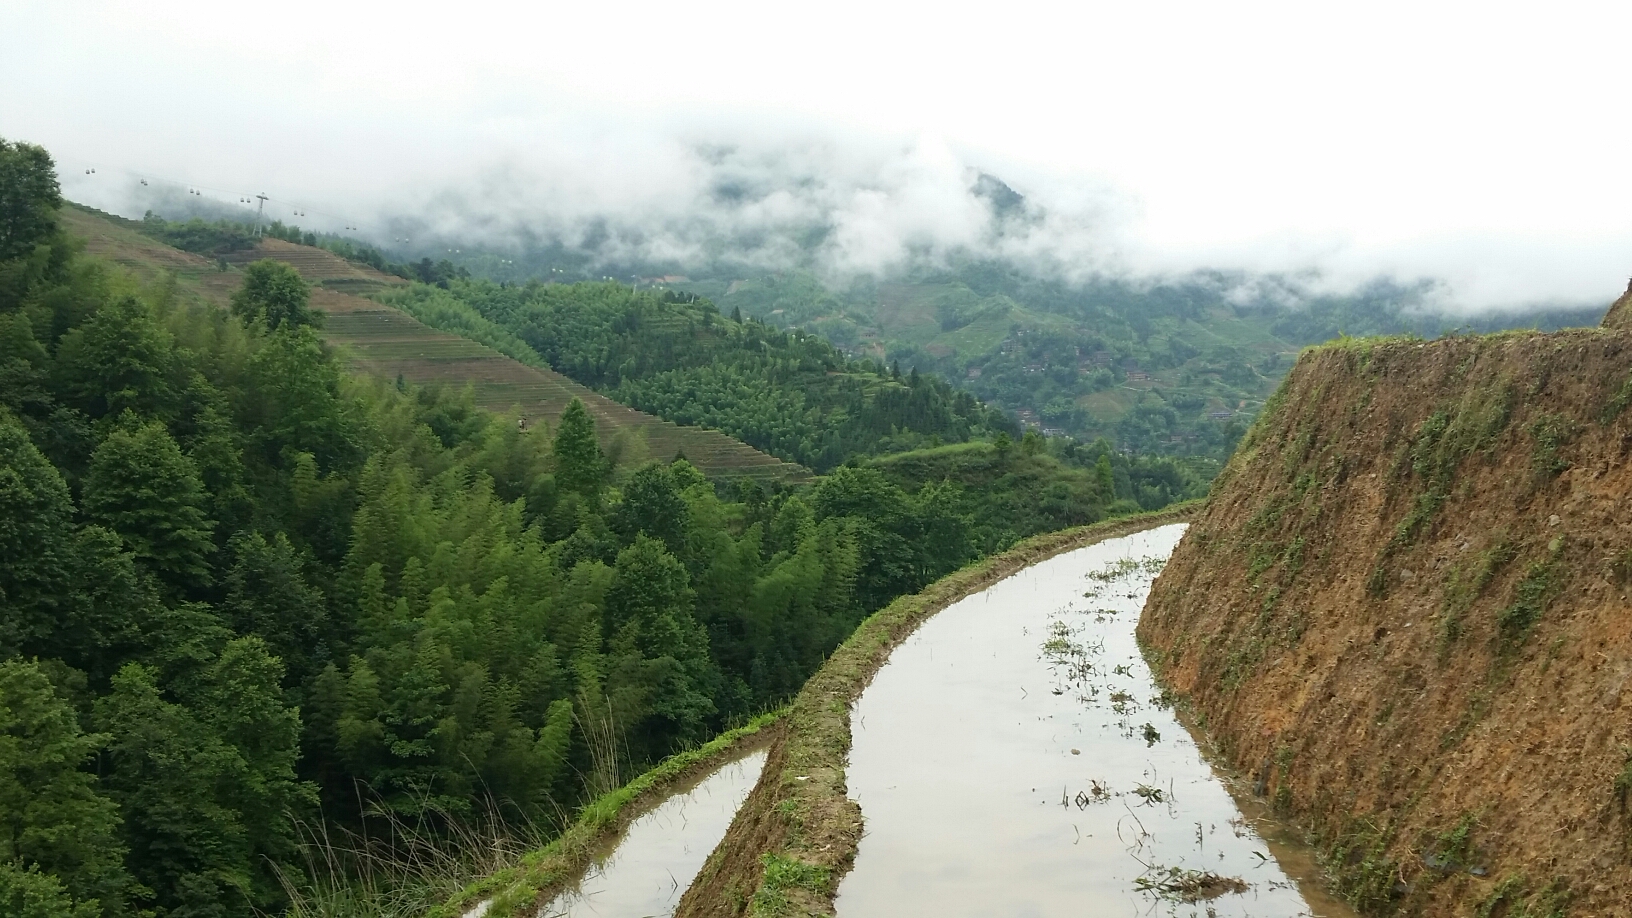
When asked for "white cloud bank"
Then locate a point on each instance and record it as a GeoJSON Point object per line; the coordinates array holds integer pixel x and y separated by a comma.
{"type": "Point", "coordinates": [1478, 144]}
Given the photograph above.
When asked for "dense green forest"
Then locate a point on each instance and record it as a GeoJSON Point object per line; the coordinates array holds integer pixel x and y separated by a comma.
{"type": "Point", "coordinates": [793, 394]}
{"type": "Point", "coordinates": [248, 600]}
{"type": "Point", "coordinates": [789, 393]}
{"type": "Point", "coordinates": [786, 391]}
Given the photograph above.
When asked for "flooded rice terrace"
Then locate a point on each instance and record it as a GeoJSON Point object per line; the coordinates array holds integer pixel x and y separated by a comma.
{"type": "Point", "coordinates": [1012, 759]}
{"type": "Point", "coordinates": [647, 868]}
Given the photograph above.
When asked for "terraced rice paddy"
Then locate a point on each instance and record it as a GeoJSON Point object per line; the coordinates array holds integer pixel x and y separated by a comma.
{"type": "Point", "coordinates": [390, 343]}
{"type": "Point", "coordinates": [1014, 757]}
{"type": "Point", "coordinates": [643, 872]}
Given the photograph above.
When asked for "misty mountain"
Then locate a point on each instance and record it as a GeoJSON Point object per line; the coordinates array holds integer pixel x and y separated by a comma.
{"type": "Point", "coordinates": [988, 297]}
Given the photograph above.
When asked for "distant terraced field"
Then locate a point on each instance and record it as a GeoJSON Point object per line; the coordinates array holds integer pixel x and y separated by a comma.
{"type": "Point", "coordinates": [388, 342]}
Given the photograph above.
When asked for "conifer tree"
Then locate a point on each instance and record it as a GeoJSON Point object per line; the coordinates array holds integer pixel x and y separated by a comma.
{"type": "Point", "coordinates": [652, 505]}
{"type": "Point", "coordinates": [119, 360]}
{"type": "Point", "coordinates": [143, 488]}
{"type": "Point", "coordinates": [53, 820]}
{"type": "Point", "coordinates": [203, 770]}
{"type": "Point", "coordinates": [267, 595]}
{"type": "Point", "coordinates": [579, 465]}
{"type": "Point", "coordinates": [35, 538]}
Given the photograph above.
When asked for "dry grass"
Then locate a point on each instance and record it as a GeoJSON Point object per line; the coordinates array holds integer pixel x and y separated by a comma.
{"type": "Point", "coordinates": [400, 867]}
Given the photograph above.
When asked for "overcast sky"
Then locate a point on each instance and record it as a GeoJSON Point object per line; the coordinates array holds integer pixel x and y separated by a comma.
{"type": "Point", "coordinates": [1483, 144]}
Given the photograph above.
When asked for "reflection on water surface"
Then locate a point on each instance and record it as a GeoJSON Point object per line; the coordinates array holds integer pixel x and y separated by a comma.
{"type": "Point", "coordinates": [646, 870]}
{"type": "Point", "coordinates": [1012, 759]}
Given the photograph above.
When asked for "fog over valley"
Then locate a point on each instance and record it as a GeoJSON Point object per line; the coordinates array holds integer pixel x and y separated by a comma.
{"type": "Point", "coordinates": [1461, 151]}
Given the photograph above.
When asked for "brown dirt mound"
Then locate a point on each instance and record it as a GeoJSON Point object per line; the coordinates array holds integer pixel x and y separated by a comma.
{"type": "Point", "coordinates": [1404, 611]}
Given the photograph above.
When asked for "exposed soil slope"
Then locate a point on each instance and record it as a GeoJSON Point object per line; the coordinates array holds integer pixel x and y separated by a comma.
{"type": "Point", "coordinates": [1404, 612]}
{"type": "Point", "coordinates": [388, 342]}
{"type": "Point", "coordinates": [319, 266]}
{"type": "Point", "coordinates": [1620, 314]}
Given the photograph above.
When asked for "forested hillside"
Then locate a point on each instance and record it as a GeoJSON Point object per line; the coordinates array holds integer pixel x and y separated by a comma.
{"type": "Point", "coordinates": [795, 395]}
{"type": "Point", "coordinates": [789, 393]}
{"type": "Point", "coordinates": [1178, 367]}
{"type": "Point", "coordinates": [1008, 487]}
{"type": "Point", "coordinates": [383, 341]}
{"type": "Point", "coordinates": [247, 598]}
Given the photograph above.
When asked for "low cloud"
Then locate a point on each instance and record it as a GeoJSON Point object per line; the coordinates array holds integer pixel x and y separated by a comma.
{"type": "Point", "coordinates": [841, 210]}
{"type": "Point", "coordinates": [862, 207]}
{"type": "Point", "coordinates": [1479, 155]}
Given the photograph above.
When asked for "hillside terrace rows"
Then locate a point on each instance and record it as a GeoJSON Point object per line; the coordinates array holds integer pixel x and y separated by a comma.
{"type": "Point", "coordinates": [388, 343]}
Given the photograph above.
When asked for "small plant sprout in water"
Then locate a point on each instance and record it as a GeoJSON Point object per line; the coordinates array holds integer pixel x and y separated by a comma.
{"type": "Point", "coordinates": [1097, 792]}
{"type": "Point", "coordinates": [1116, 570]}
{"type": "Point", "coordinates": [1070, 658]}
{"type": "Point", "coordinates": [1122, 569]}
{"type": "Point", "coordinates": [1059, 642]}
{"type": "Point", "coordinates": [1171, 884]}
{"type": "Point", "coordinates": [1122, 702]}
{"type": "Point", "coordinates": [1149, 794]}
{"type": "Point", "coordinates": [1177, 884]}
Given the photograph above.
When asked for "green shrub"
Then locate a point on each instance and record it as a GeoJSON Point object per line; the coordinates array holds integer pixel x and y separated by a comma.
{"type": "Point", "coordinates": [1530, 600]}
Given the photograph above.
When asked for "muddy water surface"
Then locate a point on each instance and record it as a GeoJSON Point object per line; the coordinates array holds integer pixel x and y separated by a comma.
{"type": "Point", "coordinates": [647, 868]}
{"type": "Point", "coordinates": [1012, 759]}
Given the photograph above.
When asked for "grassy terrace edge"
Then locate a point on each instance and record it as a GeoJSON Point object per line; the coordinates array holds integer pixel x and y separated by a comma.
{"type": "Point", "coordinates": [544, 873]}
{"type": "Point", "coordinates": [797, 834]}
